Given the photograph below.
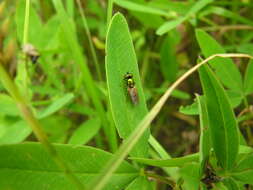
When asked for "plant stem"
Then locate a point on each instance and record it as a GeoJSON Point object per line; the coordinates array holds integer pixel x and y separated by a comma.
{"type": "Point", "coordinates": [92, 48]}
{"type": "Point", "coordinates": [109, 12]}
{"type": "Point", "coordinates": [160, 178]}
{"type": "Point", "coordinates": [26, 24]}
{"type": "Point", "coordinates": [28, 115]}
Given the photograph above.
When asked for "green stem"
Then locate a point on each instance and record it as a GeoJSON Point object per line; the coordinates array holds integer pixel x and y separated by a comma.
{"type": "Point", "coordinates": [160, 178]}
{"type": "Point", "coordinates": [109, 11]}
{"type": "Point", "coordinates": [28, 115]}
{"type": "Point", "coordinates": [26, 24]}
{"type": "Point", "coordinates": [92, 48]}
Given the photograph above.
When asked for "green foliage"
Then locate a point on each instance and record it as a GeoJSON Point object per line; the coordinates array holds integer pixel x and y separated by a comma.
{"type": "Point", "coordinates": [221, 119]}
{"type": "Point", "coordinates": [28, 166]}
{"type": "Point", "coordinates": [78, 86]}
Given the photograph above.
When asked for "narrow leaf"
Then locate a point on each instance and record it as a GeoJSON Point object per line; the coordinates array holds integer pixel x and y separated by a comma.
{"type": "Point", "coordinates": [56, 106]}
{"type": "Point", "coordinates": [8, 106]}
{"type": "Point", "coordinates": [120, 60]}
{"type": "Point", "coordinates": [169, 65]}
{"type": "Point", "coordinates": [131, 5]}
{"type": "Point", "coordinates": [85, 132]}
{"type": "Point", "coordinates": [173, 162]}
{"type": "Point", "coordinates": [191, 109]}
{"type": "Point", "coordinates": [248, 81]}
{"type": "Point", "coordinates": [167, 26]}
{"type": "Point", "coordinates": [15, 133]}
{"type": "Point", "coordinates": [224, 67]}
{"type": "Point", "coordinates": [222, 122]}
{"type": "Point", "coordinates": [205, 141]}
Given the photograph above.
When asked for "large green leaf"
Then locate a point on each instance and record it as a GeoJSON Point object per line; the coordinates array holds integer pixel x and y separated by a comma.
{"type": "Point", "coordinates": [28, 166]}
{"type": "Point", "coordinates": [121, 59]}
{"type": "Point", "coordinates": [224, 67]}
{"type": "Point", "coordinates": [222, 122]}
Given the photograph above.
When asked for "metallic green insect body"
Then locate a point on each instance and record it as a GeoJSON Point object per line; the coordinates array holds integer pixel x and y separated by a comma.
{"type": "Point", "coordinates": [132, 91]}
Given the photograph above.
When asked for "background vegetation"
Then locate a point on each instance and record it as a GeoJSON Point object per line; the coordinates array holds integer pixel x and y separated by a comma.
{"type": "Point", "coordinates": [67, 120]}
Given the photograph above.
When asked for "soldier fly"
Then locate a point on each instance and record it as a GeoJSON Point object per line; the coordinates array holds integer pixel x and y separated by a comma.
{"type": "Point", "coordinates": [131, 89]}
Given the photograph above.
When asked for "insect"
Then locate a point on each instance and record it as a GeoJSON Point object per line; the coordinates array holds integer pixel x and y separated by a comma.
{"type": "Point", "coordinates": [131, 89]}
{"type": "Point", "coordinates": [30, 51]}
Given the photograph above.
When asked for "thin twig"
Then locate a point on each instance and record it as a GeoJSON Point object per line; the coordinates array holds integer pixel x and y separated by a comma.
{"type": "Point", "coordinates": [227, 27]}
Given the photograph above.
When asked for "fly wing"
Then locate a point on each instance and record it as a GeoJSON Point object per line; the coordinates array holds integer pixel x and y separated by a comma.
{"type": "Point", "coordinates": [133, 95]}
